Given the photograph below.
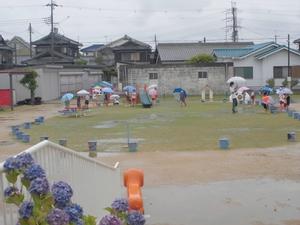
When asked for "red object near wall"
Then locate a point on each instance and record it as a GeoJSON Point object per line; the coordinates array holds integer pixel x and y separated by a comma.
{"type": "Point", "coordinates": [5, 98]}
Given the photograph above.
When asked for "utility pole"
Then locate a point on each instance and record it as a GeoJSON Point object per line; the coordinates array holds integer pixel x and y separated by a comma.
{"type": "Point", "coordinates": [289, 78]}
{"type": "Point", "coordinates": [52, 5]}
{"type": "Point", "coordinates": [275, 38]}
{"type": "Point", "coordinates": [15, 47]}
{"type": "Point", "coordinates": [30, 39]}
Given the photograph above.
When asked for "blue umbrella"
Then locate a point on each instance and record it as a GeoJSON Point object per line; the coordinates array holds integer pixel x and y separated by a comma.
{"type": "Point", "coordinates": [178, 90]}
{"type": "Point", "coordinates": [67, 97]}
{"type": "Point", "coordinates": [266, 89]}
{"type": "Point", "coordinates": [107, 90]}
{"type": "Point", "coordinates": [129, 88]}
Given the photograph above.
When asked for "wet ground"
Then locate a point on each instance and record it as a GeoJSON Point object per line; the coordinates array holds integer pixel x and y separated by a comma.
{"type": "Point", "coordinates": [239, 202]}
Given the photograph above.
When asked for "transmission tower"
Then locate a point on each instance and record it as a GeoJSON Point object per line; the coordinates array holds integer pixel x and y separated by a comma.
{"type": "Point", "coordinates": [231, 17]}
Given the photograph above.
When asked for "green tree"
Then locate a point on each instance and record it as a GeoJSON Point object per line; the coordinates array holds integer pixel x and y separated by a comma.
{"type": "Point", "coordinates": [202, 58]}
{"type": "Point", "coordinates": [293, 83]}
{"type": "Point", "coordinates": [271, 82]}
{"type": "Point", "coordinates": [80, 62]}
{"type": "Point", "coordinates": [29, 81]}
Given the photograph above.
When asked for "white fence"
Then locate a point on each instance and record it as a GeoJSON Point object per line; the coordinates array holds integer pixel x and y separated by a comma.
{"type": "Point", "coordinates": [95, 185]}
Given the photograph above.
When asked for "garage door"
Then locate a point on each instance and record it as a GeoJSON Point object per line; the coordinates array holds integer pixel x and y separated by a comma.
{"type": "Point", "coordinates": [70, 83]}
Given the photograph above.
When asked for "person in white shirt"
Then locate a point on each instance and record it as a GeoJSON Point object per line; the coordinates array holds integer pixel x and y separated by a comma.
{"type": "Point", "coordinates": [233, 95]}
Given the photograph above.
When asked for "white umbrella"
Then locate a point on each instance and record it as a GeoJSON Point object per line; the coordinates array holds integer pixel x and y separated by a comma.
{"type": "Point", "coordinates": [282, 91]}
{"type": "Point", "coordinates": [114, 97]}
{"type": "Point", "coordinates": [236, 80]}
{"type": "Point", "coordinates": [82, 93]}
{"type": "Point", "coordinates": [152, 86]}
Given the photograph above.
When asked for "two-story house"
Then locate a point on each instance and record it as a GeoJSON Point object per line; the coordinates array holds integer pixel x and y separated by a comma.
{"type": "Point", "coordinates": [65, 50]}
{"type": "Point", "coordinates": [6, 54]}
{"type": "Point", "coordinates": [124, 50]}
{"type": "Point", "coordinates": [21, 49]}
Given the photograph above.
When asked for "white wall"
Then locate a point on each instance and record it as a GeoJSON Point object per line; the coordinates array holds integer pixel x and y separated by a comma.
{"type": "Point", "coordinates": [278, 59]}
{"type": "Point", "coordinates": [263, 69]}
{"type": "Point", "coordinates": [251, 61]}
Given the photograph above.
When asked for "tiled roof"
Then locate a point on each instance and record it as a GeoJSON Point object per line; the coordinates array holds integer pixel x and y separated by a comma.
{"type": "Point", "coordinates": [123, 40]}
{"type": "Point", "coordinates": [185, 51]}
{"type": "Point", "coordinates": [58, 39]}
{"type": "Point", "coordinates": [92, 48]}
{"type": "Point", "coordinates": [241, 52]}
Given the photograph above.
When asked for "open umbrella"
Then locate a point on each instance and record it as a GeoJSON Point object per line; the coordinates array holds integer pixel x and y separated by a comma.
{"type": "Point", "coordinates": [152, 92]}
{"type": "Point", "coordinates": [129, 89]}
{"type": "Point", "coordinates": [153, 86]}
{"type": "Point", "coordinates": [67, 97]}
{"type": "Point", "coordinates": [285, 90]}
{"type": "Point", "coordinates": [107, 90]}
{"type": "Point", "coordinates": [178, 90]}
{"type": "Point", "coordinates": [82, 93]}
{"type": "Point", "coordinates": [242, 89]}
{"type": "Point", "coordinates": [236, 80]}
{"type": "Point", "coordinates": [266, 89]}
{"type": "Point", "coordinates": [114, 97]}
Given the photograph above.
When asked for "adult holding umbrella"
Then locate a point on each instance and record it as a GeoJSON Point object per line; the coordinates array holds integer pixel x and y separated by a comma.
{"type": "Point", "coordinates": [66, 98]}
{"type": "Point", "coordinates": [107, 91]}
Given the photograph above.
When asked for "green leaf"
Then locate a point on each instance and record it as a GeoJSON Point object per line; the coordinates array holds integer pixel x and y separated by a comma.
{"type": "Point", "coordinates": [12, 176]}
{"type": "Point", "coordinates": [89, 220]}
{"type": "Point", "coordinates": [47, 203]}
{"type": "Point", "coordinates": [110, 210]}
{"type": "Point", "coordinates": [16, 199]}
{"type": "Point", "coordinates": [25, 182]}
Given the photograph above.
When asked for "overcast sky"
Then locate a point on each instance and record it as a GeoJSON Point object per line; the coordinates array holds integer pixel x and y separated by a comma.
{"type": "Point", "coordinates": [98, 21]}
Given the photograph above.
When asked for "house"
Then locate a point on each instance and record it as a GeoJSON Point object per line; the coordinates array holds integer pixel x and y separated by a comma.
{"type": "Point", "coordinates": [21, 49]}
{"type": "Point", "coordinates": [65, 51]}
{"type": "Point", "coordinates": [89, 54]}
{"type": "Point", "coordinates": [260, 62]}
{"type": "Point", "coordinates": [6, 54]}
{"type": "Point", "coordinates": [167, 53]}
{"type": "Point", "coordinates": [298, 43]}
{"type": "Point", "coordinates": [125, 50]}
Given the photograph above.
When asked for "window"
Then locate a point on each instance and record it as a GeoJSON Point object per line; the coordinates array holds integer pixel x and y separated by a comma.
{"type": "Point", "coordinates": [130, 56]}
{"type": "Point", "coordinates": [280, 72]}
{"type": "Point", "coordinates": [153, 76]}
{"type": "Point", "coordinates": [246, 72]}
{"type": "Point", "coordinates": [202, 74]}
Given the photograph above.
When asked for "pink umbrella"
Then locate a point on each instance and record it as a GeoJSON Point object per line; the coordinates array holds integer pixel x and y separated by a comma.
{"type": "Point", "coordinates": [242, 89]}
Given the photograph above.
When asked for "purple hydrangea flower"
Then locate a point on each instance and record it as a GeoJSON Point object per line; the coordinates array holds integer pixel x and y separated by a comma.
{"type": "Point", "coordinates": [25, 160]}
{"type": "Point", "coordinates": [39, 186]}
{"type": "Point", "coordinates": [62, 193]}
{"type": "Point", "coordinates": [34, 171]}
{"type": "Point", "coordinates": [10, 191]}
{"type": "Point", "coordinates": [74, 211]}
{"type": "Point", "coordinates": [25, 210]}
{"type": "Point", "coordinates": [110, 220]}
{"type": "Point", "coordinates": [120, 205]}
{"type": "Point", "coordinates": [135, 218]}
{"type": "Point", "coordinates": [11, 164]}
{"type": "Point", "coordinates": [58, 217]}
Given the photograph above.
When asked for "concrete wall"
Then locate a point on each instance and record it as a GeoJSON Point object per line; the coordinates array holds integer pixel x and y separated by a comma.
{"type": "Point", "coordinates": [185, 76]}
{"type": "Point", "coordinates": [49, 81]}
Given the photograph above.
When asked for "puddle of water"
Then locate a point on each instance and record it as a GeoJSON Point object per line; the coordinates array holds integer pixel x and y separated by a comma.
{"type": "Point", "coordinates": [107, 124]}
{"type": "Point", "coordinates": [245, 202]}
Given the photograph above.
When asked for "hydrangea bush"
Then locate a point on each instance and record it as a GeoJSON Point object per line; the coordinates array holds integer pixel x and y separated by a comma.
{"type": "Point", "coordinates": [52, 205]}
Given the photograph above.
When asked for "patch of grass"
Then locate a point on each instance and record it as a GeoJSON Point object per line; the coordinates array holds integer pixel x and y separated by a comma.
{"type": "Point", "coordinates": [168, 126]}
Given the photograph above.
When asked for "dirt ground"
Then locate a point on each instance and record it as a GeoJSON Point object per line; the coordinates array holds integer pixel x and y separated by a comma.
{"type": "Point", "coordinates": [174, 167]}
